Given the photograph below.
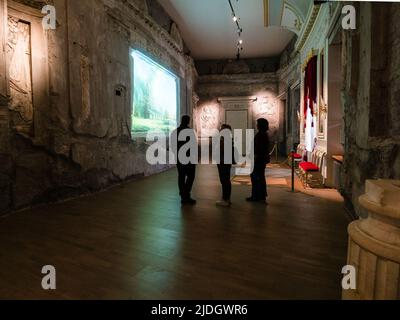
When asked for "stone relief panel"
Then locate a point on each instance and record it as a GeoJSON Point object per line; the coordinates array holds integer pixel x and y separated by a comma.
{"type": "Point", "coordinates": [267, 107]}
{"type": "Point", "coordinates": [209, 120]}
{"type": "Point", "coordinates": [20, 71]}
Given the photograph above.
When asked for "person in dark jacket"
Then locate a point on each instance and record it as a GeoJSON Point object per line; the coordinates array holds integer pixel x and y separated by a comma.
{"type": "Point", "coordinates": [225, 168]}
{"type": "Point", "coordinates": [261, 159]}
{"type": "Point", "coordinates": [186, 172]}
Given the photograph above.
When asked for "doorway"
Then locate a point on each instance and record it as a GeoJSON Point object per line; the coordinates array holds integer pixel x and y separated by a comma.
{"type": "Point", "coordinates": [238, 120]}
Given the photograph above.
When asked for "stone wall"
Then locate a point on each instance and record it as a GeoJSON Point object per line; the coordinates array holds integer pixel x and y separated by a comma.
{"type": "Point", "coordinates": [66, 130]}
{"type": "Point", "coordinates": [371, 99]}
{"type": "Point", "coordinates": [261, 65]}
{"type": "Point", "coordinates": [262, 86]}
{"type": "Point", "coordinates": [157, 12]}
{"type": "Point", "coordinates": [289, 92]}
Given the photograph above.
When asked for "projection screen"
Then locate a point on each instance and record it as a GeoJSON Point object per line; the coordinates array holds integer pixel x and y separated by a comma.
{"type": "Point", "coordinates": [155, 97]}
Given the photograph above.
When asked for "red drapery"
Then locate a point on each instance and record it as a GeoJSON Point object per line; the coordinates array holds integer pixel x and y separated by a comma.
{"type": "Point", "coordinates": [310, 86]}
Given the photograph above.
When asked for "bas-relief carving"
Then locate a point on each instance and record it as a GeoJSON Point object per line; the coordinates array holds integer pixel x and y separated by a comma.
{"type": "Point", "coordinates": [20, 71]}
{"type": "Point", "coordinates": [267, 108]}
{"type": "Point", "coordinates": [209, 120]}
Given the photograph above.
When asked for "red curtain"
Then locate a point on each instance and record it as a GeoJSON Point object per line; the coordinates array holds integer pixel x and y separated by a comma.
{"type": "Point", "coordinates": [310, 86]}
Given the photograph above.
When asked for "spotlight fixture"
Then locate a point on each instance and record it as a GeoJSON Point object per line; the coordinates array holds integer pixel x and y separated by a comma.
{"type": "Point", "coordinates": [236, 19]}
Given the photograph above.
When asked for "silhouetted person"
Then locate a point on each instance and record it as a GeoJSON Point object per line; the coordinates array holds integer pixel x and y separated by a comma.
{"type": "Point", "coordinates": [261, 159]}
{"type": "Point", "coordinates": [186, 172]}
{"type": "Point", "coordinates": [225, 168]}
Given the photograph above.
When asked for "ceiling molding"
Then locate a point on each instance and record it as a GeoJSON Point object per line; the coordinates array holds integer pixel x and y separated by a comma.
{"type": "Point", "coordinates": [312, 17]}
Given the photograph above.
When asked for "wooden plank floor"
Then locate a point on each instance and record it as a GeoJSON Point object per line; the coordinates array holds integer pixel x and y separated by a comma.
{"type": "Point", "coordinates": [136, 242]}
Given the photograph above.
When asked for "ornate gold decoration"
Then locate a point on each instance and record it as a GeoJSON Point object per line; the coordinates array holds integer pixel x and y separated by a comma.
{"type": "Point", "coordinates": [298, 24]}
{"type": "Point", "coordinates": [308, 28]}
{"type": "Point", "coordinates": [323, 107]}
{"type": "Point", "coordinates": [310, 55]}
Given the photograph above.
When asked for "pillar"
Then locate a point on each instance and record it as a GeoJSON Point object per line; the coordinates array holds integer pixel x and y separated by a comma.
{"type": "Point", "coordinates": [374, 244]}
{"type": "Point", "coordinates": [4, 119]}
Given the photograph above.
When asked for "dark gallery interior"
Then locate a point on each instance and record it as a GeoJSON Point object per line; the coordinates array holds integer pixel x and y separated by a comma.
{"type": "Point", "coordinates": [85, 214]}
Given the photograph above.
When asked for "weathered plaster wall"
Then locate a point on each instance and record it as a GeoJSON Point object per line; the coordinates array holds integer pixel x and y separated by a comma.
{"type": "Point", "coordinates": [289, 93]}
{"type": "Point", "coordinates": [261, 65]}
{"type": "Point", "coordinates": [157, 12]}
{"type": "Point", "coordinates": [371, 99]}
{"type": "Point", "coordinates": [81, 140]}
{"type": "Point", "coordinates": [263, 86]}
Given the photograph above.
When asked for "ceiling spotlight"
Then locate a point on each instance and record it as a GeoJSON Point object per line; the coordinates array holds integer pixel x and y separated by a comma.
{"type": "Point", "coordinates": [236, 19]}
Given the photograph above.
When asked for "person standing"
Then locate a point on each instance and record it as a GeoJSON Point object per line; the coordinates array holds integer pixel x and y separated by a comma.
{"type": "Point", "coordinates": [186, 172]}
{"type": "Point", "coordinates": [225, 165]}
{"type": "Point", "coordinates": [261, 159]}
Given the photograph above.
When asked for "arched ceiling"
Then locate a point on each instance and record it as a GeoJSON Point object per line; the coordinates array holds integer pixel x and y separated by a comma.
{"type": "Point", "coordinates": [209, 31]}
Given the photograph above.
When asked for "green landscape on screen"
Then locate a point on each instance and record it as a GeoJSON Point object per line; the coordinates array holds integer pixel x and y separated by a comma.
{"type": "Point", "coordinates": [155, 101]}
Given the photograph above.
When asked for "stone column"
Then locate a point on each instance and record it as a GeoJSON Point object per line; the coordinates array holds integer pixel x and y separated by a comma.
{"type": "Point", "coordinates": [4, 120]}
{"type": "Point", "coordinates": [5, 159]}
{"type": "Point", "coordinates": [374, 245]}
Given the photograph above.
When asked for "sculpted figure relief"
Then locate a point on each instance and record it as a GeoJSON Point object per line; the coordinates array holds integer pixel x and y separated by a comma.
{"type": "Point", "coordinates": [209, 118]}
{"type": "Point", "coordinates": [19, 55]}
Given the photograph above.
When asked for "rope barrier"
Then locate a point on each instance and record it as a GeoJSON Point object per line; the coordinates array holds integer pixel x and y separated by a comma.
{"type": "Point", "coordinates": [273, 150]}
